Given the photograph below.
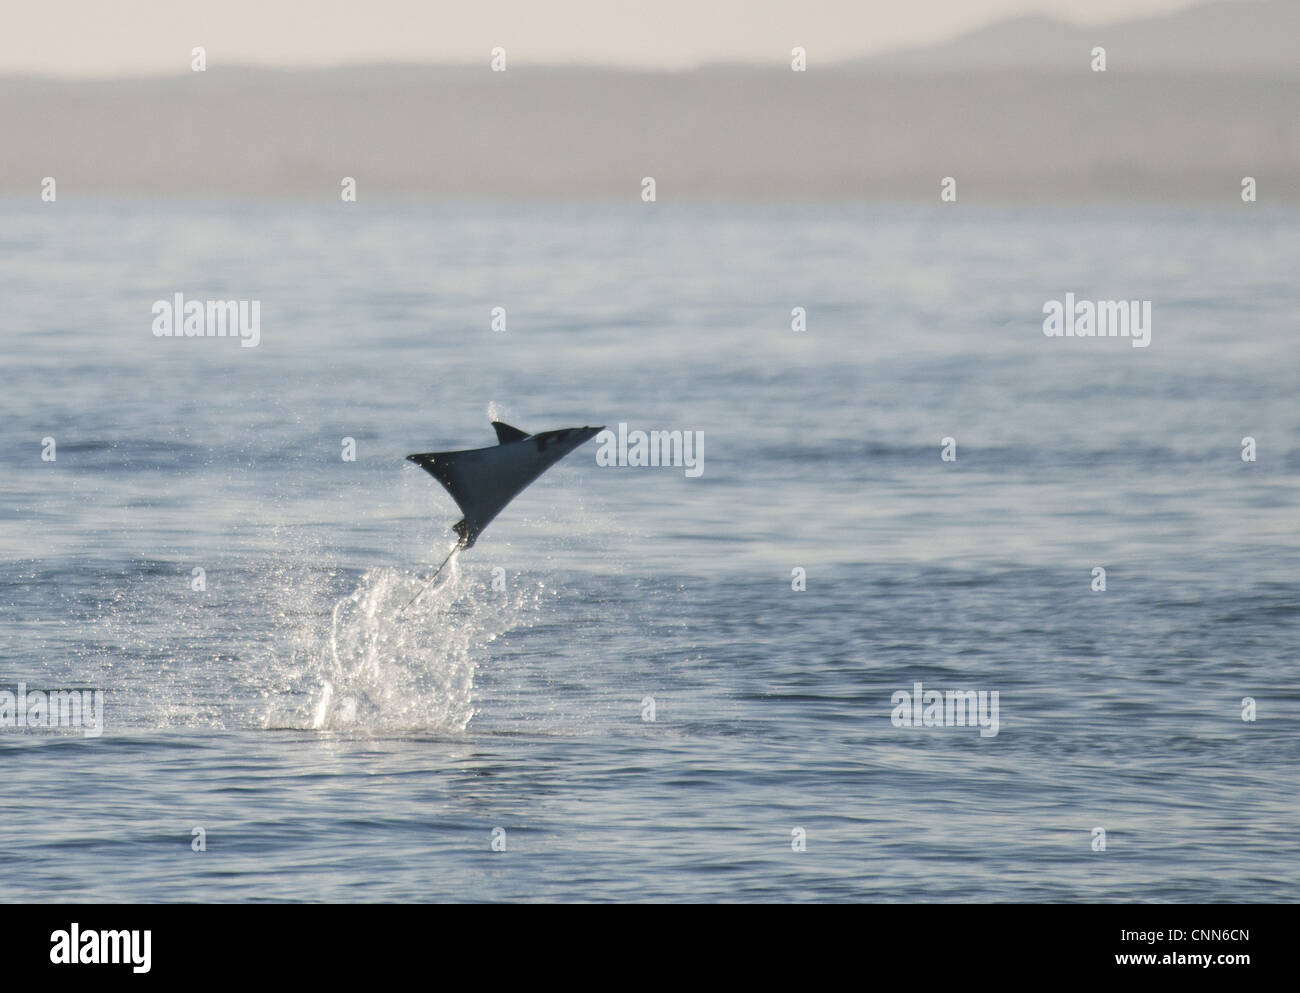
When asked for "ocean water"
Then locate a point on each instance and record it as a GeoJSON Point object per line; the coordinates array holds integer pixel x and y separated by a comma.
{"type": "Point", "coordinates": [333, 748]}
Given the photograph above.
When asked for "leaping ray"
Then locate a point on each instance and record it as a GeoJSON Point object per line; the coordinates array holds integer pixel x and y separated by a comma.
{"type": "Point", "coordinates": [483, 480]}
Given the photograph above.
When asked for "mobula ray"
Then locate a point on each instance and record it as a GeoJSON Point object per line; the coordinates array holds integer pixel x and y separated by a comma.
{"type": "Point", "coordinates": [483, 481]}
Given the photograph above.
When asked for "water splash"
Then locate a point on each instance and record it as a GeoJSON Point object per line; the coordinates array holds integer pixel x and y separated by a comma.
{"type": "Point", "coordinates": [374, 664]}
{"type": "Point", "coordinates": [293, 642]}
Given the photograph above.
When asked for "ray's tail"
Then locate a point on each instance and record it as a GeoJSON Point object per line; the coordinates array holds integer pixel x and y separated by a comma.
{"type": "Point", "coordinates": [425, 589]}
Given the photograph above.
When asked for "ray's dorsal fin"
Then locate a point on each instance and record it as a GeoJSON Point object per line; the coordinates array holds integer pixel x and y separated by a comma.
{"type": "Point", "coordinates": [506, 433]}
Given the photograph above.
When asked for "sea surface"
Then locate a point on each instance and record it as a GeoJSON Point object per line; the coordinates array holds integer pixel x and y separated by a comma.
{"type": "Point", "coordinates": [279, 712]}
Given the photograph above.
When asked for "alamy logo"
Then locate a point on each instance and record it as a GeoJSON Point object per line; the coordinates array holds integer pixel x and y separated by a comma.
{"type": "Point", "coordinates": [39, 709]}
{"type": "Point", "coordinates": [77, 947]}
{"type": "Point", "coordinates": [1099, 319]}
{"type": "Point", "coordinates": [684, 449]}
{"type": "Point", "coordinates": [181, 318]}
{"type": "Point", "coordinates": [956, 708]}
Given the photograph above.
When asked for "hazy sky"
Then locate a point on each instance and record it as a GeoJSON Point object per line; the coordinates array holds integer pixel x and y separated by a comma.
{"type": "Point", "coordinates": [137, 37]}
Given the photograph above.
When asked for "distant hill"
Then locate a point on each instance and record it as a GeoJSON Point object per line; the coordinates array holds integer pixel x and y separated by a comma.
{"type": "Point", "coordinates": [1167, 128]}
{"type": "Point", "coordinates": [1238, 37]}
